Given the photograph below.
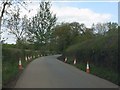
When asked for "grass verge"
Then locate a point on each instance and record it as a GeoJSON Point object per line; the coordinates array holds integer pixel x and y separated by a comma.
{"type": "Point", "coordinates": [101, 72]}
{"type": "Point", "coordinates": [11, 73]}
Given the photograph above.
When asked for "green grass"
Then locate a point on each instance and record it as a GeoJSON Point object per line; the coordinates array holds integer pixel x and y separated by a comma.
{"type": "Point", "coordinates": [10, 70]}
{"type": "Point", "coordinates": [105, 73]}
{"type": "Point", "coordinates": [10, 60]}
{"type": "Point", "coordinates": [100, 51]}
{"type": "Point", "coordinates": [101, 72]}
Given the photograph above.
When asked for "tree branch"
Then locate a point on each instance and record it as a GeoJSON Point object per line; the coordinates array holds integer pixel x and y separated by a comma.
{"type": "Point", "coordinates": [3, 10]}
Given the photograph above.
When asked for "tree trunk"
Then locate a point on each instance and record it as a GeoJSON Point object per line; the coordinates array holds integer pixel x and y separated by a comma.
{"type": "Point", "coordinates": [3, 10]}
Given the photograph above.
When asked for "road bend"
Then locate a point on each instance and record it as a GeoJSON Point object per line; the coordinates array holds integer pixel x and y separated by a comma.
{"type": "Point", "coordinates": [49, 72]}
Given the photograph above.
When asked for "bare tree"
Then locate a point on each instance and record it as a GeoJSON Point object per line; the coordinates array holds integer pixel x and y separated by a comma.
{"type": "Point", "coordinates": [17, 26]}
{"type": "Point", "coordinates": [101, 28]}
{"type": "Point", "coordinates": [5, 4]}
{"type": "Point", "coordinates": [6, 10]}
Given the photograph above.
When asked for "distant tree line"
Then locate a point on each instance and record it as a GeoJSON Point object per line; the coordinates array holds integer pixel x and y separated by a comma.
{"type": "Point", "coordinates": [41, 32]}
{"type": "Point", "coordinates": [67, 34]}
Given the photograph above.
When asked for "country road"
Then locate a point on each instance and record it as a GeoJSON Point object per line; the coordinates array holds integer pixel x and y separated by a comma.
{"type": "Point", "coordinates": [48, 72]}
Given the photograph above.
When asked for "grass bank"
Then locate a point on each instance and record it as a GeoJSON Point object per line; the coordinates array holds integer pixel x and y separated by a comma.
{"type": "Point", "coordinates": [101, 52]}
{"type": "Point", "coordinates": [10, 61]}
{"type": "Point", "coordinates": [101, 72]}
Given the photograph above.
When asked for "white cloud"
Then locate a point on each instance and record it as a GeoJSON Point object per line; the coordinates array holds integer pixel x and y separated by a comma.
{"type": "Point", "coordinates": [81, 15]}
{"type": "Point", "coordinates": [66, 14]}
{"type": "Point", "coordinates": [71, 14]}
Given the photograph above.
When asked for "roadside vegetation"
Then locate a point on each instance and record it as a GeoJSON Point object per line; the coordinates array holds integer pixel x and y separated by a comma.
{"type": "Point", "coordinates": [41, 35]}
{"type": "Point", "coordinates": [10, 63]}
{"type": "Point", "coordinates": [101, 52]}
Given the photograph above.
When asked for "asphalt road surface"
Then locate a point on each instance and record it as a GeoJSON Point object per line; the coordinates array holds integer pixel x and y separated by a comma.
{"type": "Point", "coordinates": [48, 72]}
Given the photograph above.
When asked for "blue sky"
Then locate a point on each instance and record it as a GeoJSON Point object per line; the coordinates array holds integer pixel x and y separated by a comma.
{"type": "Point", "coordinates": [82, 12]}
{"type": "Point", "coordinates": [98, 7]}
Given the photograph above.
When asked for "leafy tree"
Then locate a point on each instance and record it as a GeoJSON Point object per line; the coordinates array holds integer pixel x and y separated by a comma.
{"type": "Point", "coordinates": [75, 27]}
{"type": "Point", "coordinates": [88, 34]}
{"type": "Point", "coordinates": [78, 32]}
{"type": "Point", "coordinates": [112, 26]}
{"type": "Point", "coordinates": [75, 31]}
{"type": "Point", "coordinates": [42, 24]}
{"type": "Point", "coordinates": [62, 36]}
{"type": "Point", "coordinates": [67, 34]}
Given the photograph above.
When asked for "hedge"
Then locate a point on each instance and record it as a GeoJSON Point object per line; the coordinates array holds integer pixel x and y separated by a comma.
{"type": "Point", "coordinates": [10, 59]}
{"type": "Point", "coordinates": [101, 51]}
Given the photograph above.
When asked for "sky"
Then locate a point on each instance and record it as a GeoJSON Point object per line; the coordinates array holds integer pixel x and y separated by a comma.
{"type": "Point", "coordinates": [75, 11]}
{"type": "Point", "coordinates": [86, 12]}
